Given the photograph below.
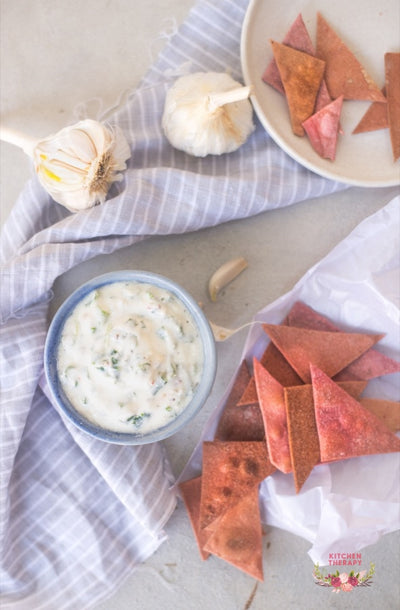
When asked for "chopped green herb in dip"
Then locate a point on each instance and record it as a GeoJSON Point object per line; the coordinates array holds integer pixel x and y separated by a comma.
{"type": "Point", "coordinates": [130, 357]}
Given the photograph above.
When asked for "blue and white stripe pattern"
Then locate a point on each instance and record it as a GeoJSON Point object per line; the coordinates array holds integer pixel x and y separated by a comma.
{"type": "Point", "coordinates": [76, 514]}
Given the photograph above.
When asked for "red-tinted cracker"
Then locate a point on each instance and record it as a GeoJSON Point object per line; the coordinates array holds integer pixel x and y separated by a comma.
{"type": "Point", "coordinates": [230, 470]}
{"type": "Point", "coordinates": [322, 129]}
{"type": "Point", "coordinates": [387, 410]}
{"type": "Point", "coordinates": [237, 537]}
{"type": "Point", "coordinates": [301, 76]}
{"type": "Point", "coordinates": [376, 117]}
{"type": "Point", "coordinates": [296, 37]}
{"type": "Point", "coordinates": [272, 404]}
{"type": "Point", "coordinates": [240, 423]}
{"type": "Point", "coordinates": [191, 493]}
{"type": "Point", "coordinates": [352, 387]}
{"type": "Point", "coordinates": [249, 396]}
{"type": "Point", "coordinates": [302, 432]}
{"type": "Point", "coordinates": [344, 74]}
{"type": "Point", "coordinates": [371, 364]}
{"type": "Point", "coordinates": [330, 351]}
{"type": "Point", "coordinates": [303, 316]}
{"type": "Point", "coordinates": [346, 429]}
{"type": "Point", "coordinates": [392, 80]}
{"type": "Point", "coordinates": [239, 384]}
{"type": "Point", "coordinates": [277, 365]}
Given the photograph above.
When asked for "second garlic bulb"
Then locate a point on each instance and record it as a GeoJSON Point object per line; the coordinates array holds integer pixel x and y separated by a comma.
{"type": "Point", "coordinates": [207, 113]}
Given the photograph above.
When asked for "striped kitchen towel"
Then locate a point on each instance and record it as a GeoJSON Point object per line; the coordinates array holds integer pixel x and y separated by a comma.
{"type": "Point", "coordinates": [76, 514]}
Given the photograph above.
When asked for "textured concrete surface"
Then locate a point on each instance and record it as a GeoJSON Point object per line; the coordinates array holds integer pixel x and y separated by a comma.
{"type": "Point", "coordinates": [55, 55]}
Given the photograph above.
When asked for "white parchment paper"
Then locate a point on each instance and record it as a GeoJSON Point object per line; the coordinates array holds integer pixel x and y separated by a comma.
{"type": "Point", "coordinates": [345, 506]}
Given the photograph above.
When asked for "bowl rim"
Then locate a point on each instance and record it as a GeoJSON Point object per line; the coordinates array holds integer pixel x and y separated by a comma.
{"type": "Point", "coordinates": [203, 389]}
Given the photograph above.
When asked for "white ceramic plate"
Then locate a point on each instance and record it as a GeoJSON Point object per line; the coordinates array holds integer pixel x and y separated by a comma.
{"type": "Point", "coordinates": [370, 29]}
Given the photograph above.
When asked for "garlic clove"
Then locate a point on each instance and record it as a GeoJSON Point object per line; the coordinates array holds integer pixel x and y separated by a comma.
{"type": "Point", "coordinates": [224, 275]}
{"type": "Point", "coordinates": [207, 113]}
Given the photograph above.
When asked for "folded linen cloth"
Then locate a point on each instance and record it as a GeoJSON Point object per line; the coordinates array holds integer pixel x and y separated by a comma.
{"type": "Point", "coordinates": [77, 514]}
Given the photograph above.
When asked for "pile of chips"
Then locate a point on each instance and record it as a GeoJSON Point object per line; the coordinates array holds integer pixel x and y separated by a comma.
{"type": "Point", "coordinates": [299, 407]}
{"type": "Point", "coordinates": [316, 81]}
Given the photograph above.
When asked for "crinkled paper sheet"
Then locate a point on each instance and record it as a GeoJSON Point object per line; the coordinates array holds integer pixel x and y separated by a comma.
{"type": "Point", "coordinates": [348, 505]}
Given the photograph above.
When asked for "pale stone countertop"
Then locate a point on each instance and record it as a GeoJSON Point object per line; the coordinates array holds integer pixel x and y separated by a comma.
{"type": "Point", "coordinates": [46, 71]}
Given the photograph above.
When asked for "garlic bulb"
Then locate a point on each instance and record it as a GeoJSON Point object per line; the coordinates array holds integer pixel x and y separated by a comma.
{"type": "Point", "coordinates": [78, 164]}
{"type": "Point", "coordinates": [207, 113]}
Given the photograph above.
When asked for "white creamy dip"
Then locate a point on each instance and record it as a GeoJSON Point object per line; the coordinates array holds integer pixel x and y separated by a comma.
{"type": "Point", "coordinates": [130, 357]}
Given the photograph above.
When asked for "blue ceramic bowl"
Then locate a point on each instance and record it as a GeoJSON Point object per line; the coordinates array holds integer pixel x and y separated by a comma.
{"type": "Point", "coordinates": [131, 438]}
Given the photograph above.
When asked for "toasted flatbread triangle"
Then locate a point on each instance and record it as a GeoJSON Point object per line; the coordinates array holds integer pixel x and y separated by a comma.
{"type": "Point", "coordinates": [387, 410]}
{"type": "Point", "coordinates": [392, 80]}
{"type": "Point", "coordinates": [345, 428]}
{"type": "Point", "coordinates": [344, 74]}
{"type": "Point", "coordinates": [375, 117]}
{"type": "Point", "coordinates": [230, 470]}
{"type": "Point", "coordinates": [371, 364]}
{"type": "Point", "coordinates": [237, 537]}
{"type": "Point", "coordinates": [273, 408]}
{"type": "Point", "coordinates": [240, 422]}
{"type": "Point", "coordinates": [296, 37]}
{"type": "Point", "coordinates": [304, 316]}
{"type": "Point", "coordinates": [301, 76]}
{"type": "Point", "coordinates": [249, 396]}
{"type": "Point", "coordinates": [330, 351]}
{"type": "Point", "coordinates": [322, 129]}
{"type": "Point", "coordinates": [277, 365]}
{"type": "Point", "coordinates": [303, 433]}
{"type": "Point", "coordinates": [191, 493]}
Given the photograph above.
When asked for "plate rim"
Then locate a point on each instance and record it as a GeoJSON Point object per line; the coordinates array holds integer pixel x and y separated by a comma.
{"type": "Point", "coordinates": [332, 175]}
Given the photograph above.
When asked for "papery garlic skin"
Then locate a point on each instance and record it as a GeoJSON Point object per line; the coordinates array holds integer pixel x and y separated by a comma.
{"type": "Point", "coordinates": [191, 124]}
{"type": "Point", "coordinates": [78, 164]}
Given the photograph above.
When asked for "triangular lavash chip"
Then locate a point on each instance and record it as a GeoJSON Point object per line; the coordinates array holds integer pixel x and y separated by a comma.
{"type": "Point", "coordinates": [346, 429]}
{"type": "Point", "coordinates": [344, 74]}
{"type": "Point", "coordinates": [330, 351]}
{"type": "Point", "coordinates": [191, 493]}
{"type": "Point", "coordinates": [322, 129]}
{"type": "Point", "coordinates": [371, 364]}
{"type": "Point", "coordinates": [240, 422]}
{"type": "Point", "coordinates": [296, 37]}
{"type": "Point", "coordinates": [230, 470]}
{"type": "Point", "coordinates": [392, 80]}
{"type": "Point", "coordinates": [375, 117]}
{"type": "Point", "coordinates": [368, 366]}
{"type": "Point", "coordinates": [278, 367]}
{"type": "Point", "coordinates": [387, 410]}
{"type": "Point", "coordinates": [304, 316]}
{"type": "Point", "coordinates": [249, 395]}
{"type": "Point", "coordinates": [301, 76]}
{"type": "Point", "coordinates": [237, 537]}
{"type": "Point", "coordinates": [273, 408]}
{"type": "Point", "coordinates": [302, 431]}
{"type": "Point", "coordinates": [302, 427]}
